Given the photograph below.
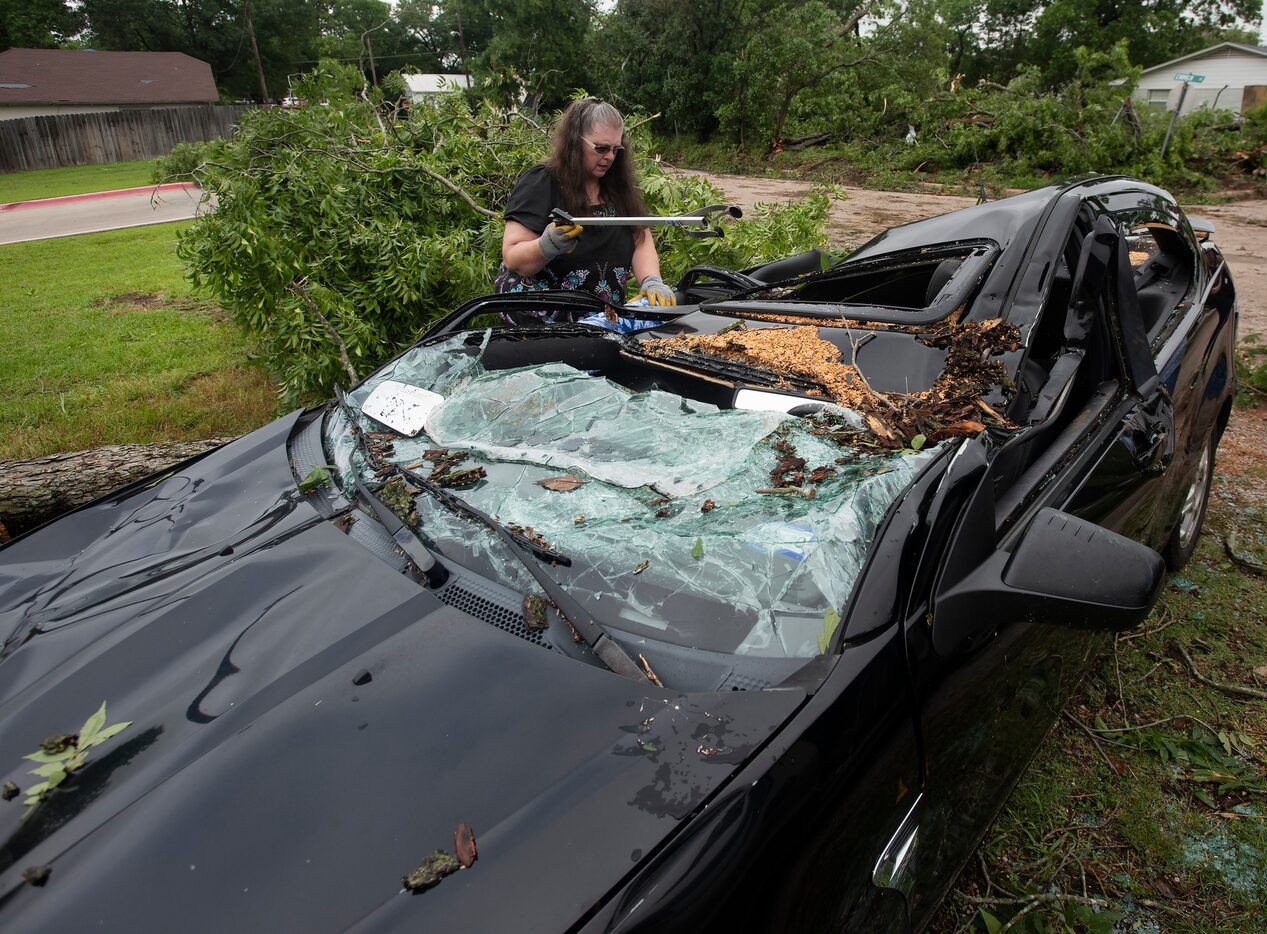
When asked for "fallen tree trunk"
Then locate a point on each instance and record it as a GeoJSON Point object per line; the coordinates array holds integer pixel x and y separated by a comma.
{"type": "Point", "coordinates": [804, 142]}
{"type": "Point", "coordinates": [32, 492]}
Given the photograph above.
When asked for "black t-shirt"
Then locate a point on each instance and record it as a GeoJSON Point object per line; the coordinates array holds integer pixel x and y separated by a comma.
{"type": "Point", "coordinates": [602, 261]}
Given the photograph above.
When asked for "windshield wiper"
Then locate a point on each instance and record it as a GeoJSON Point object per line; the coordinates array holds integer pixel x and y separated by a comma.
{"type": "Point", "coordinates": [454, 504]}
{"type": "Point", "coordinates": [612, 654]}
{"type": "Point", "coordinates": [432, 571]}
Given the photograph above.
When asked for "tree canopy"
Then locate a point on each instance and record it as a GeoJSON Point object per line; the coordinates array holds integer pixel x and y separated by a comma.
{"type": "Point", "coordinates": [746, 69]}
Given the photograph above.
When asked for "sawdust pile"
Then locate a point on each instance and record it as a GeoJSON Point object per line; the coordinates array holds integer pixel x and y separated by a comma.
{"type": "Point", "coordinates": [953, 406]}
{"type": "Point", "coordinates": [798, 351]}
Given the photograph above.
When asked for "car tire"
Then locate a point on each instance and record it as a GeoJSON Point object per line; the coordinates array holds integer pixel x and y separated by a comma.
{"type": "Point", "coordinates": [1187, 530]}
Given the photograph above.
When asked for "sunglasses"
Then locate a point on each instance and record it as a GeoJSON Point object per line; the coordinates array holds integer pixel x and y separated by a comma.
{"type": "Point", "coordinates": [603, 149]}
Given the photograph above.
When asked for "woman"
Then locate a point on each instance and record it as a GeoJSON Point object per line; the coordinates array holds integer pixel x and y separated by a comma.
{"type": "Point", "coordinates": [589, 173]}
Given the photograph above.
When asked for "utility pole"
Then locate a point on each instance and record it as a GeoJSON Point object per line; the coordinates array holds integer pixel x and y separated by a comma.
{"type": "Point", "coordinates": [457, 16]}
{"type": "Point", "coordinates": [255, 50]}
{"type": "Point", "coordinates": [369, 46]}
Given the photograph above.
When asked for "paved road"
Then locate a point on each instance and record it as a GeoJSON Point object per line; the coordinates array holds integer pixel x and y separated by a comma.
{"type": "Point", "coordinates": [102, 210]}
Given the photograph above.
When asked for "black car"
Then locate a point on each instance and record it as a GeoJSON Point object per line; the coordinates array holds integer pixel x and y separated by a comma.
{"type": "Point", "coordinates": [546, 627]}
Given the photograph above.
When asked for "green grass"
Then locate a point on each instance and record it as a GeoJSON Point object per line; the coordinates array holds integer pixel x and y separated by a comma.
{"type": "Point", "coordinates": [50, 183]}
{"type": "Point", "coordinates": [1169, 843]}
{"type": "Point", "coordinates": [101, 343]}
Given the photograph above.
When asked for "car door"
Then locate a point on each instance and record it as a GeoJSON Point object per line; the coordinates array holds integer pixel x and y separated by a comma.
{"type": "Point", "coordinates": [1186, 308]}
{"type": "Point", "coordinates": [989, 689]}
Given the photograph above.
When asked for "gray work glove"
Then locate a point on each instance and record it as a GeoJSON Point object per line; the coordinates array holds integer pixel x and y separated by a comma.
{"type": "Point", "coordinates": [656, 292]}
{"type": "Point", "coordinates": [559, 239]}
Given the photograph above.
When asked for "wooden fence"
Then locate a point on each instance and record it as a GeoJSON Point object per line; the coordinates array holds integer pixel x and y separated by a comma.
{"type": "Point", "coordinates": [120, 136]}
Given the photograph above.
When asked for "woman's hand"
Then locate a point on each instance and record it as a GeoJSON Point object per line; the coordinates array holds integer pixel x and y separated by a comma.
{"type": "Point", "coordinates": [656, 292]}
{"type": "Point", "coordinates": [559, 239]}
{"type": "Point", "coordinates": [524, 250]}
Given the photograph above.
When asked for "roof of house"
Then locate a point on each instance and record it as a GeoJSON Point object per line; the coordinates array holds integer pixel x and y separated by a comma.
{"type": "Point", "coordinates": [434, 84]}
{"type": "Point", "coordinates": [1240, 47]}
{"type": "Point", "coordinates": [64, 76]}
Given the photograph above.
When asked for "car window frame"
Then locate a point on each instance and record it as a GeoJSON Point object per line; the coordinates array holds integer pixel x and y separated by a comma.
{"type": "Point", "coordinates": [1135, 207]}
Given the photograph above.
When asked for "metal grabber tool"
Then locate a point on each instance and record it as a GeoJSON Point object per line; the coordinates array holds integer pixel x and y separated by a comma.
{"type": "Point", "coordinates": [708, 218]}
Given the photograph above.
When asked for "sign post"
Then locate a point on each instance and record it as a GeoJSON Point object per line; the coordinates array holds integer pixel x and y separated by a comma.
{"type": "Point", "coordinates": [1187, 79]}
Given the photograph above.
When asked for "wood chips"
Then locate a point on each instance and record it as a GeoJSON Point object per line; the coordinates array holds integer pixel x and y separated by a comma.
{"type": "Point", "coordinates": [952, 406]}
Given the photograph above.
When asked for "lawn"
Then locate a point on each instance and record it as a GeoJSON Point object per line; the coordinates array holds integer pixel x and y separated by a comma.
{"type": "Point", "coordinates": [102, 343]}
{"type": "Point", "coordinates": [1146, 808]}
{"type": "Point", "coordinates": [50, 183]}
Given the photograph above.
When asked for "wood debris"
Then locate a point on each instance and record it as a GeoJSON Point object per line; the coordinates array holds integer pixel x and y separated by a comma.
{"type": "Point", "coordinates": [464, 846]}
{"type": "Point", "coordinates": [951, 407]}
{"type": "Point", "coordinates": [562, 484]}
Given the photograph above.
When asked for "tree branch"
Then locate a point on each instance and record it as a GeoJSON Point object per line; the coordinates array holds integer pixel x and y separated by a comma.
{"type": "Point", "coordinates": [297, 287]}
{"type": "Point", "coordinates": [1236, 690]}
{"type": "Point", "coordinates": [459, 192]}
{"type": "Point", "coordinates": [1231, 546]}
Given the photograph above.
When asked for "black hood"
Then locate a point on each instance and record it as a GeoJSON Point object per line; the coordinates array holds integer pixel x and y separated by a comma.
{"type": "Point", "coordinates": [264, 782]}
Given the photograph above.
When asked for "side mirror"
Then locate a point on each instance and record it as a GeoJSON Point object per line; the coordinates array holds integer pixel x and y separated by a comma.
{"type": "Point", "coordinates": [1063, 571]}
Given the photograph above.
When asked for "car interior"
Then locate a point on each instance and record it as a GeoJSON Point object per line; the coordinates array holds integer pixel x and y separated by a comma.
{"type": "Point", "coordinates": [1164, 271]}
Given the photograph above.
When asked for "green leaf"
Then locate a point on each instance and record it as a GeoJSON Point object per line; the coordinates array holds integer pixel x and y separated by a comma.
{"type": "Point", "coordinates": [91, 726]}
{"type": "Point", "coordinates": [318, 477]}
{"type": "Point", "coordinates": [42, 756]}
{"type": "Point", "coordinates": [918, 442]}
{"type": "Point", "coordinates": [698, 551]}
{"type": "Point", "coordinates": [50, 769]}
{"type": "Point", "coordinates": [109, 731]}
{"type": "Point", "coordinates": [992, 924]}
{"type": "Point", "coordinates": [1201, 795]}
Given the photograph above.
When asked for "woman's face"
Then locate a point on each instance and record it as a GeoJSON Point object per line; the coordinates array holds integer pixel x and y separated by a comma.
{"type": "Point", "coordinates": [596, 164]}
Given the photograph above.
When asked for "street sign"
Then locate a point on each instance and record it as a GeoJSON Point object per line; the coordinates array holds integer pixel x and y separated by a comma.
{"type": "Point", "coordinates": [1184, 76]}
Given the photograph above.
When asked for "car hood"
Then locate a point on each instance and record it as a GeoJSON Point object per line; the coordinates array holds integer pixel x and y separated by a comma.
{"type": "Point", "coordinates": [307, 725]}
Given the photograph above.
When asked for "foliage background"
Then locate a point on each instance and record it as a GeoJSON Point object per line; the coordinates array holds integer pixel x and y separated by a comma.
{"type": "Point", "coordinates": [350, 227]}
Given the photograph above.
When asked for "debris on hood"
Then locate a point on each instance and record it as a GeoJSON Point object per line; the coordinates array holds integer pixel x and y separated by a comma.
{"type": "Point", "coordinates": [535, 612]}
{"type": "Point", "coordinates": [464, 846]}
{"type": "Point", "coordinates": [433, 868]}
{"type": "Point", "coordinates": [440, 863]}
{"type": "Point", "coordinates": [36, 875]}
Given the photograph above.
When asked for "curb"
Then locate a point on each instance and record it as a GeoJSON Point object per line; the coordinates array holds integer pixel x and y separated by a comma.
{"type": "Point", "coordinates": [97, 195]}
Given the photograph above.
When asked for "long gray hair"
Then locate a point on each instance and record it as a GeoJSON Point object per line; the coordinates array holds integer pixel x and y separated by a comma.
{"type": "Point", "coordinates": [619, 187]}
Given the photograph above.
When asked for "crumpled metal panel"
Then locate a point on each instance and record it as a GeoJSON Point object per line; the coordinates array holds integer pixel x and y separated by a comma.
{"type": "Point", "coordinates": [754, 574]}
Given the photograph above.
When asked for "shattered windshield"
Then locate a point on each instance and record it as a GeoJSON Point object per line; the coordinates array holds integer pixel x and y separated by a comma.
{"type": "Point", "coordinates": [698, 524]}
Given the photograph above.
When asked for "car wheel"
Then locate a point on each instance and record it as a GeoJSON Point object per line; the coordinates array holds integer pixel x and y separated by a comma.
{"type": "Point", "coordinates": [1183, 538]}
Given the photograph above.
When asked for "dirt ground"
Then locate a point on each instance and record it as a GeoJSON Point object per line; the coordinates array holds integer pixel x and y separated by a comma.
{"type": "Point", "coordinates": [1240, 227]}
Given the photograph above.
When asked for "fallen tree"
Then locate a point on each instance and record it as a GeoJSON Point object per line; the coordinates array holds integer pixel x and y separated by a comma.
{"type": "Point", "coordinates": [34, 491]}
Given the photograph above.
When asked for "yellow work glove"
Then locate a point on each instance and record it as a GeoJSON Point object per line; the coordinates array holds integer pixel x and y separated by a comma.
{"type": "Point", "coordinates": [559, 239]}
{"type": "Point", "coordinates": [656, 292]}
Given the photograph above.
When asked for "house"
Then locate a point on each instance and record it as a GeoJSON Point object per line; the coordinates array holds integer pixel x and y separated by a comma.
{"type": "Point", "coordinates": [1228, 76]}
{"type": "Point", "coordinates": [45, 82]}
{"type": "Point", "coordinates": [422, 87]}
